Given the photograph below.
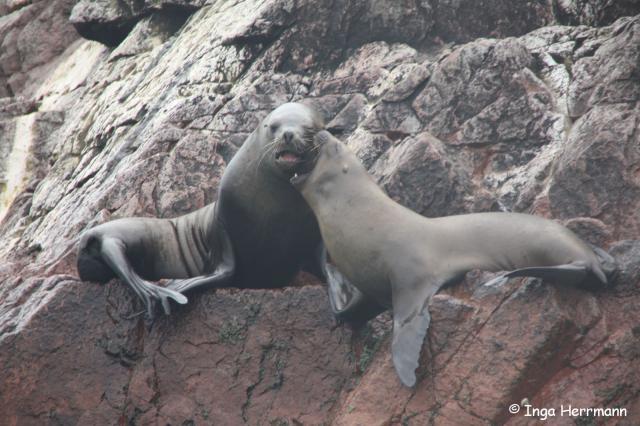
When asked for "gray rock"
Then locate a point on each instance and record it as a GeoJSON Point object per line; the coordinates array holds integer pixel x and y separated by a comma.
{"type": "Point", "coordinates": [418, 174]}
{"type": "Point", "coordinates": [404, 80]}
{"type": "Point", "coordinates": [597, 170]}
{"type": "Point", "coordinates": [594, 12]}
{"type": "Point", "coordinates": [110, 21]}
{"type": "Point", "coordinates": [609, 74]}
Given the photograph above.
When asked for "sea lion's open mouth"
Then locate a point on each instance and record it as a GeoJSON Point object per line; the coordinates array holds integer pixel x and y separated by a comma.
{"type": "Point", "coordinates": [288, 158]}
{"type": "Point", "coordinates": [296, 165]}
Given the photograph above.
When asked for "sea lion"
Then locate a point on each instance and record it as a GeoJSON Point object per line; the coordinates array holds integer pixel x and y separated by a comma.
{"type": "Point", "coordinates": [258, 233]}
{"type": "Point", "coordinates": [401, 259]}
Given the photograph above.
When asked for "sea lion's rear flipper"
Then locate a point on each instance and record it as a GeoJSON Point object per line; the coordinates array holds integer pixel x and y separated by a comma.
{"type": "Point", "coordinates": [113, 253]}
{"type": "Point", "coordinates": [347, 302]}
{"type": "Point", "coordinates": [410, 324]}
{"type": "Point", "coordinates": [222, 273]}
{"type": "Point", "coordinates": [608, 268]}
{"type": "Point", "coordinates": [570, 273]}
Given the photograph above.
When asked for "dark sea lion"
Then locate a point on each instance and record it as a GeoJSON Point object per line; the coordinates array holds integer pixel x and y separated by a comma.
{"type": "Point", "coordinates": [258, 233]}
{"type": "Point", "coordinates": [400, 259]}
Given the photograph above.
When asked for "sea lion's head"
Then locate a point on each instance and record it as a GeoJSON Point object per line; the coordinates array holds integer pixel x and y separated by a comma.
{"type": "Point", "coordinates": [331, 165]}
{"type": "Point", "coordinates": [289, 134]}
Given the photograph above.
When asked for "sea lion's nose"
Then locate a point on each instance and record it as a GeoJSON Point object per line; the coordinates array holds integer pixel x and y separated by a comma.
{"type": "Point", "coordinates": [287, 136]}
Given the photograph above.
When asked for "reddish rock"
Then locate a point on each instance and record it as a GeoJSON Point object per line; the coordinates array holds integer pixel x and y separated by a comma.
{"type": "Point", "coordinates": [228, 357]}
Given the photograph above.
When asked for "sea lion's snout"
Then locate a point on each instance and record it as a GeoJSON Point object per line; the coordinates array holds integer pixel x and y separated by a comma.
{"type": "Point", "coordinates": [291, 148]}
{"type": "Point", "coordinates": [303, 170]}
{"type": "Point", "coordinates": [321, 138]}
{"type": "Point", "coordinates": [327, 144]}
{"type": "Point", "coordinates": [327, 150]}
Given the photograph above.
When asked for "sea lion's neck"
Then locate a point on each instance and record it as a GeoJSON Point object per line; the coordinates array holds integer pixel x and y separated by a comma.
{"type": "Point", "coordinates": [334, 196]}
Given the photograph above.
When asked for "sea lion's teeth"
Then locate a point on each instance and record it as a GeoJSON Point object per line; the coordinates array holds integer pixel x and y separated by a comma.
{"type": "Point", "coordinates": [295, 175]}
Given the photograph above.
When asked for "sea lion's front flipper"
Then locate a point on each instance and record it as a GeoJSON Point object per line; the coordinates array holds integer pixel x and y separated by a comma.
{"type": "Point", "coordinates": [410, 324]}
{"type": "Point", "coordinates": [113, 253]}
{"type": "Point", "coordinates": [220, 276]}
{"type": "Point", "coordinates": [570, 273]}
{"type": "Point", "coordinates": [347, 302]}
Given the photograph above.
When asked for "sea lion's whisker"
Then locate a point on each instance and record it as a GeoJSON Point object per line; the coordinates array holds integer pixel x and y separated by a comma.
{"type": "Point", "coordinates": [268, 150]}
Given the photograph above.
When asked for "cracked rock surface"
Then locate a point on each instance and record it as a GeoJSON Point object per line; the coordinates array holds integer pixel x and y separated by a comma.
{"type": "Point", "coordinates": [453, 108]}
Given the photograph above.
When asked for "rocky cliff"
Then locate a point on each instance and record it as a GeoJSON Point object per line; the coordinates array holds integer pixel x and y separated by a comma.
{"type": "Point", "coordinates": [119, 108]}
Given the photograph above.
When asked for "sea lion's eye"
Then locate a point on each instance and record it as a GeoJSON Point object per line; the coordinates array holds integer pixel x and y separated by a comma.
{"type": "Point", "coordinates": [273, 127]}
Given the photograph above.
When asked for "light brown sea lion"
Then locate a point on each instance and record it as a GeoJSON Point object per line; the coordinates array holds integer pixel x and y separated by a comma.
{"type": "Point", "coordinates": [401, 259]}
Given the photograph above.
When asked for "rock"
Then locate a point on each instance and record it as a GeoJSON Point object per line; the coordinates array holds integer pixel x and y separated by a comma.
{"type": "Point", "coordinates": [591, 230]}
{"type": "Point", "coordinates": [366, 70]}
{"type": "Point", "coordinates": [233, 357]}
{"type": "Point", "coordinates": [597, 81]}
{"type": "Point", "coordinates": [404, 79]}
{"type": "Point", "coordinates": [369, 147]}
{"type": "Point", "coordinates": [110, 21]}
{"type": "Point", "coordinates": [597, 166]}
{"type": "Point", "coordinates": [594, 12]}
{"type": "Point", "coordinates": [452, 107]}
{"type": "Point", "coordinates": [418, 174]}
{"type": "Point", "coordinates": [31, 38]}
{"type": "Point", "coordinates": [107, 21]}
{"type": "Point", "coordinates": [16, 106]}
{"type": "Point", "coordinates": [394, 119]}
{"type": "Point", "coordinates": [27, 150]}
{"type": "Point", "coordinates": [628, 268]}
{"type": "Point", "coordinates": [349, 117]}
{"type": "Point", "coordinates": [460, 88]}
{"type": "Point", "coordinates": [463, 20]}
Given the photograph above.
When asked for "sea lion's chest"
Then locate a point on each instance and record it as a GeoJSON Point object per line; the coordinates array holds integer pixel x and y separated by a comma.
{"type": "Point", "coordinates": [271, 228]}
{"type": "Point", "coordinates": [362, 262]}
